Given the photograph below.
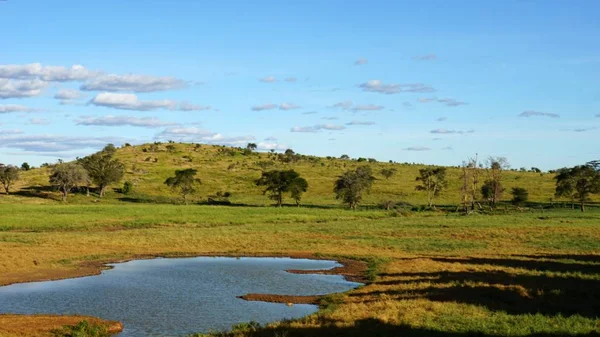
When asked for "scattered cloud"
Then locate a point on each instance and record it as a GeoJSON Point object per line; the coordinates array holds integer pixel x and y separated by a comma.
{"type": "Point", "coordinates": [361, 61]}
{"type": "Point", "coordinates": [447, 148]}
{"type": "Point", "coordinates": [185, 106]}
{"type": "Point", "coordinates": [446, 101]}
{"type": "Point", "coordinates": [417, 148]}
{"type": "Point", "coordinates": [197, 135]}
{"type": "Point", "coordinates": [330, 118]}
{"type": "Point", "coordinates": [11, 132]}
{"type": "Point", "coordinates": [271, 146]}
{"type": "Point", "coordinates": [317, 128]}
{"type": "Point", "coordinates": [54, 143]}
{"type": "Point", "coordinates": [368, 107]}
{"type": "Point", "coordinates": [68, 94]}
{"type": "Point", "coordinates": [407, 105]}
{"type": "Point", "coordinates": [288, 106]}
{"type": "Point", "coordinates": [15, 108]}
{"type": "Point", "coordinates": [449, 132]}
{"type": "Point", "coordinates": [345, 105]}
{"type": "Point", "coordinates": [268, 79]}
{"type": "Point", "coordinates": [531, 113]}
{"type": "Point", "coordinates": [144, 122]}
{"type": "Point", "coordinates": [46, 73]}
{"type": "Point", "coordinates": [388, 89]}
{"type": "Point", "coordinates": [270, 139]}
{"type": "Point", "coordinates": [21, 88]}
{"type": "Point", "coordinates": [39, 121]}
{"type": "Point", "coordinates": [130, 102]}
{"type": "Point", "coordinates": [310, 113]}
{"type": "Point", "coordinates": [290, 79]}
{"type": "Point", "coordinates": [264, 107]}
{"type": "Point", "coordinates": [428, 57]}
{"type": "Point", "coordinates": [133, 83]}
{"type": "Point", "coordinates": [584, 129]}
{"type": "Point", "coordinates": [361, 123]}
{"type": "Point", "coordinates": [441, 119]}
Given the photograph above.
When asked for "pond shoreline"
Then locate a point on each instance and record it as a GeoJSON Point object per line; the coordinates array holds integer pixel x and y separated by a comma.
{"type": "Point", "coordinates": [351, 270]}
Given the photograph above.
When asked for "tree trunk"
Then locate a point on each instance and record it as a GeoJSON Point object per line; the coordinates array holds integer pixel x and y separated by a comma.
{"type": "Point", "coordinates": [582, 206]}
{"type": "Point", "coordinates": [64, 196]}
{"type": "Point", "coordinates": [102, 189]}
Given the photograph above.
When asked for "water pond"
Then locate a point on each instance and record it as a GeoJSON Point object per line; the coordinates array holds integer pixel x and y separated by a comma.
{"type": "Point", "coordinates": [175, 297]}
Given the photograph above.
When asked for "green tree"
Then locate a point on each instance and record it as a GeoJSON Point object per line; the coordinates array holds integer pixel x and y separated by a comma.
{"type": "Point", "coordinates": [103, 169]}
{"type": "Point", "coordinates": [8, 176]}
{"type": "Point", "coordinates": [298, 186]}
{"type": "Point", "coordinates": [184, 182]}
{"type": "Point", "coordinates": [251, 147]}
{"type": "Point", "coordinates": [520, 196]}
{"type": "Point", "coordinates": [433, 181]}
{"type": "Point", "coordinates": [578, 183]}
{"type": "Point", "coordinates": [352, 185]}
{"type": "Point", "coordinates": [492, 191]}
{"type": "Point", "coordinates": [25, 166]}
{"type": "Point", "coordinates": [388, 173]}
{"type": "Point", "coordinates": [66, 176]}
{"type": "Point", "coordinates": [279, 182]}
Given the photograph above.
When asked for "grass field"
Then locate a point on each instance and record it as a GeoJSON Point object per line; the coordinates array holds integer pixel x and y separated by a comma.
{"type": "Point", "coordinates": [437, 274]}
{"type": "Point", "coordinates": [528, 272]}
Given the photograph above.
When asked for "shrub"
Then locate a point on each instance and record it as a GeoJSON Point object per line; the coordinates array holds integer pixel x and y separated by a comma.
{"type": "Point", "coordinates": [520, 195]}
{"type": "Point", "coordinates": [83, 329]}
{"type": "Point", "coordinates": [127, 187]}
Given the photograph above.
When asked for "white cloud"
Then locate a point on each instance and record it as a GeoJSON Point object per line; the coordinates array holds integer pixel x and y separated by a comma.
{"type": "Point", "coordinates": [428, 57]}
{"type": "Point", "coordinates": [531, 113]}
{"type": "Point", "coordinates": [446, 101]}
{"type": "Point", "coordinates": [48, 73]}
{"type": "Point", "coordinates": [68, 94]}
{"type": "Point", "coordinates": [368, 107]}
{"type": "Point", "coordinates": [185, 106]}
{"type": "Point", "coordinates": [330, 118]}
{"type": "Point", "coordinates": [53, 143]}
{"type": "Point", "coordinates": [133, 83]}
{"type": "Point", "coordinates": [271, 146]}
{"type": "Point", "coordinates": [388, 89]}
{"type": "Point", "coordinates": [310, 113]}
{"type": "Point", "coordinates": [197, 135]}
{"type": "Point", "coordinates": [290, 79]}
{"type": "Point", "coordinates": [361, 123]}
{"type": "Point", "coordinates": [130, 102]}
{"type": "Point", "coordinates": [441, 119]}
{"type": "Point", "coordinates": [11, 132]}
{"type": "Point", "coordinates": [15, 108]}
{"type": "Point", "coordinates": [21, 88]}
{"type": "Point", "coordinates": [317, 128]}
{"type": "Point", "coordinates": [448, 132]}
{"type": "Point", "coordinates": [271, 139]}
{"type": "Point", "coordinates": [345, 105]}
{"type": "Point", "coordinates": [268, 79]}
{"type": "Point", "coordinates": [268, 106]}
{"type": "Point", "coordinates": [361, 61]}
{"type": "Point", "coordinates": [447, 148]}
{"type": "Point", "coordinates": [417, 148]}
{"type": "Point", "coordinates": [288, 106]}
{"type": "Point", "coordinates": [144, 122]}
{"type": "Point", "coordinates": [39, 121]}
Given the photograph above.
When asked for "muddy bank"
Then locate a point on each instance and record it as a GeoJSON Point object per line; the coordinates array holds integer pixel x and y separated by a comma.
{"type": "Point", "coordinates": [43, 325]}
{"type": "Point", "coordinates": [287, 299]}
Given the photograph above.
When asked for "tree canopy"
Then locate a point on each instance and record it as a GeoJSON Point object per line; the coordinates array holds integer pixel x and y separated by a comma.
{"type": "Point", "coordinates": [578, 183]}
{"type": "Point", "coordinates": [184, 182]}
{"type": "Point", "coordinates": [102, 169]}
{"type": "Point", "coordinates": [8, 175]}
{"type": "Point", "coordinates": [433, 181]}
{"type": "Point", "coordinates": [66, 176]}
{"type": "Point", "coordinates": [279, 182]}
{"type": "Point", "coordinates": [352, 185]}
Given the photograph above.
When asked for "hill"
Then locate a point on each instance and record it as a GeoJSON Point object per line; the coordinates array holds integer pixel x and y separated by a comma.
{"type": "Point", "coordinates": [226, 169]}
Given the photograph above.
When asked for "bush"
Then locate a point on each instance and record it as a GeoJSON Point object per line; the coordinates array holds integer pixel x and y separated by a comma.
{"type": "Point", "coordinates": [82, 329]}
{"type": "Point", "coordinates": [520, 196]}
{"type": "Point", "coordinates": [127, 187]}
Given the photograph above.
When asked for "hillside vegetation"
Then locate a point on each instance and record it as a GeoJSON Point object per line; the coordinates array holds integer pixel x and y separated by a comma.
{"type": "Point", "coordinates": [224, 169]}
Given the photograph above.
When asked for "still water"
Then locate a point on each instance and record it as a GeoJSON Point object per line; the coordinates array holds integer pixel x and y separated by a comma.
{"type": "Point", "coordinates": [175, 297]}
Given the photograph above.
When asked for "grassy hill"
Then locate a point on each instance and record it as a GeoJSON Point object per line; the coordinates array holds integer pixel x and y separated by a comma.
{"type": "Point", "coordinates": [225, 169]}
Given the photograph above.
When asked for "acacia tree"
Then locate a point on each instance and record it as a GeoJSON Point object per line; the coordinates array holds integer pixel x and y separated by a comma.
{"type": "Point", "coordinates": [251, 147]}
{"type": "Point", "coordinates": [492, 188]}
{"type": "Point", "coordinates": [184, 182]}
{"type": "Point", "coordinates": [388, 173]}
{"type": "Point", "coordinates": [8, 175]}
{"type": "Point", "coordinates": [350, 186]}
{"type": "Point", "coordinates": [433, 181]}
{"type": "Point", "coordinates": [102, 169]}
{"type": "Point", "coordinates": [298, 186]}
{"type": "Point", "coordinates": [279, 182]}
{"type": "Point", "coordinates": [66, 176]}
{"type": "Point", "coordinates": [578, 183]}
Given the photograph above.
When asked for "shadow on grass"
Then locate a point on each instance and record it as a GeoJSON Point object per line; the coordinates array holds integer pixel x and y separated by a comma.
{"type": "Point", "coordinates": [44, 192]}
{"type": "Point", "coordinates": [575, 291]}
{"type": "Point", "coordinates": [371, 328]}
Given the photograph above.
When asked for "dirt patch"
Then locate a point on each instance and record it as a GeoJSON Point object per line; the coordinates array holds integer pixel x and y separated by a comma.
{"type": "Point", "coordinates": [43, 325]}
{"type": "Point", "coordinates": [352, 270]}
{"type": "Point", "coordinates": [287, 299]}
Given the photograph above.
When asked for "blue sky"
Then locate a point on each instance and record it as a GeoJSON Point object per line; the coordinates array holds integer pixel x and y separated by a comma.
{"type": "Point", "coordinates": [410, 81]}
